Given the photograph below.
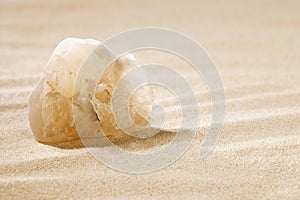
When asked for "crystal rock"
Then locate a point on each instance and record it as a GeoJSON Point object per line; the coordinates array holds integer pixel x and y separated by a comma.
{"type": "Point", "coordinates": [50, 104]}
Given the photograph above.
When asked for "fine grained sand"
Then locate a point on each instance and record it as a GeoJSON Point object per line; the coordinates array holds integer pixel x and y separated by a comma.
{"type": "Point", "coordinates": [256, 47]}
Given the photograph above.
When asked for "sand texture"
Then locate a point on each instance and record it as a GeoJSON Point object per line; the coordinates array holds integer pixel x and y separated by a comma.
{"type": "Point", "coordinates": [256, 47]}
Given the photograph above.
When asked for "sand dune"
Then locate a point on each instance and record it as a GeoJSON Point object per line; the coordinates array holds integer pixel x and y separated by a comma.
{"type": "Point", "coordinates": [256, 48]}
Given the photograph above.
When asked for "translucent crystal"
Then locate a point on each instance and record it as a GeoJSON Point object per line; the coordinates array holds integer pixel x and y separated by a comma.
{"type": "Point", "coordinates": [50, 104]}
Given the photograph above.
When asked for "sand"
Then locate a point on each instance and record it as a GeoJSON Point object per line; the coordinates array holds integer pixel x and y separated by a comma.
{"type": "Point", "coordinates": [256, 48]}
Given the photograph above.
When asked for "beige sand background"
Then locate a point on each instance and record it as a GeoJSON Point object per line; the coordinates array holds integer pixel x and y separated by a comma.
{"type": "Point", "coordinates": [256, 46]}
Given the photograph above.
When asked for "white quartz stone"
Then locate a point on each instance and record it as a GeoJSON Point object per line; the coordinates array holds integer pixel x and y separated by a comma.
{"type": "Point", "coordinates": [50, 104]}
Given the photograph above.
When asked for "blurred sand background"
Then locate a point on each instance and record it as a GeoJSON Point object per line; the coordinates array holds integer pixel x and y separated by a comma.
{"type": "Point", "coordinates": [256, 47]}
